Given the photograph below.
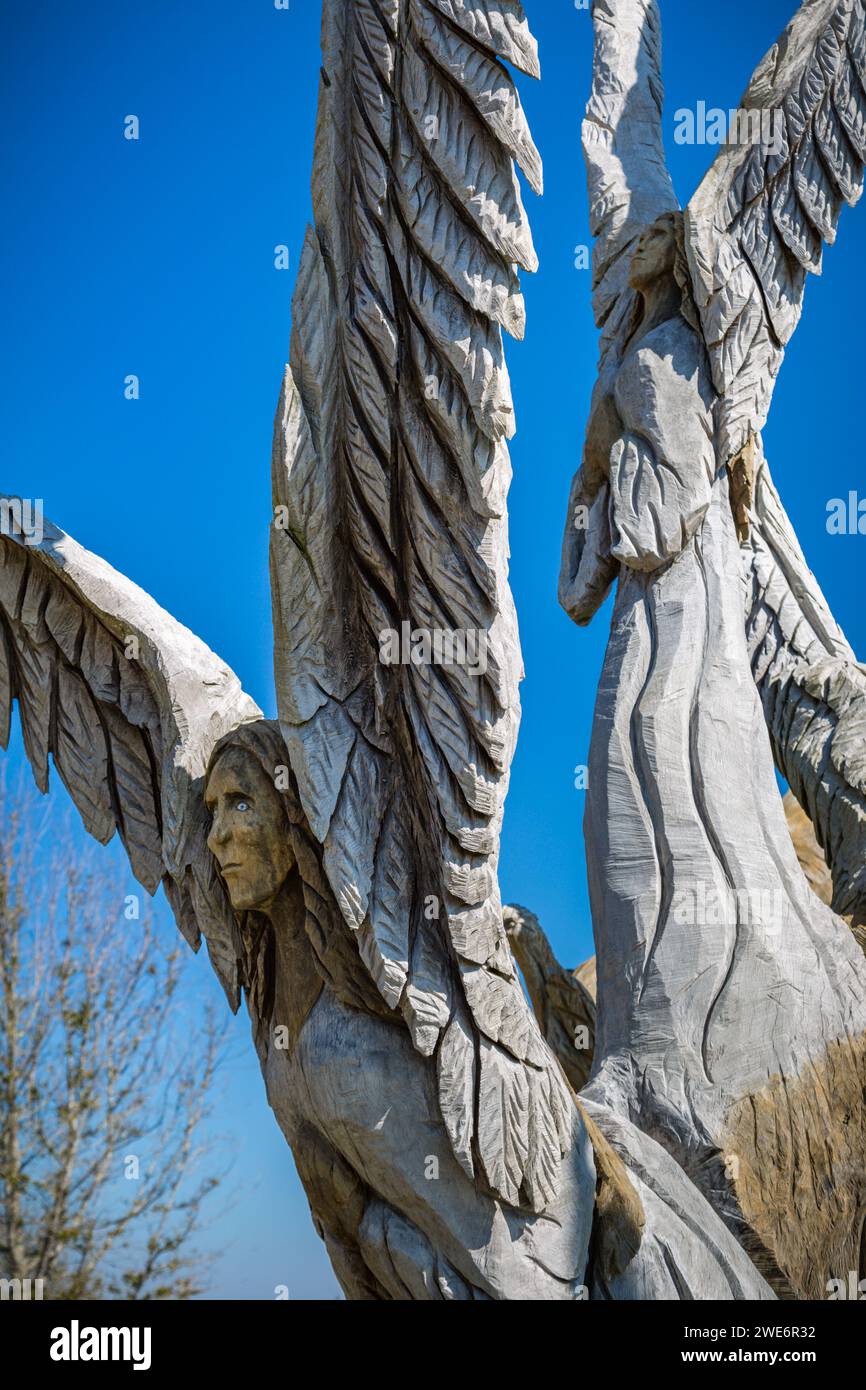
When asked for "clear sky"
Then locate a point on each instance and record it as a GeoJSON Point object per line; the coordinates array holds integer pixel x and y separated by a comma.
{"type": "Point", "coordinates": [156, 258]}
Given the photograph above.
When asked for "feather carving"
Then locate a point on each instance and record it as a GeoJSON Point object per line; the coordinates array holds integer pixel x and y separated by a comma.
{"type": "Point", "coordinates": [391, 472]}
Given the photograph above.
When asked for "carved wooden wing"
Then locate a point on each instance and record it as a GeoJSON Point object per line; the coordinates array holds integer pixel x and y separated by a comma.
{"type": "Point", "coordinates": [759, 220]}
{"type": "Point", "coordinates": [397, 653]}
{"type": "Point", "coordinates": [629, 183]}
{"type": "Point", "coordinates": [129, 705]}
{"type": "Point", "coordinates": [813, 691]}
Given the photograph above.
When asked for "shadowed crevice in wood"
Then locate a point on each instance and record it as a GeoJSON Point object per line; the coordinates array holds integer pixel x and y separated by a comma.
{"type": "Point", "coordinates": [620, 1219]}
{"type": "Point", "coordinates": [563, 1000]}
{"type": "Point", "coordinates": [813, 862]}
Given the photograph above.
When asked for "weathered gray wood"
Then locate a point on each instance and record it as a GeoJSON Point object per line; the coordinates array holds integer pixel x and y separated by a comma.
{"type": "Point", "coordinates": [623, 145]}
{"type": "Point", "coordinates": [434, 1130]}
{"type": "Point", "coordinates": [343, 864]}
{"type": "Point", "coordinates": [814, 694]}
{"type": "Point", "coordinates": [725, 987]}
{"type": "Point", "coordinates": [129, 704]}
{"type": "Point", "coordinates": [756, 226]}
{"type": "Point", "coordinates": [391, 471]}
{"type": "Point", "coordinates": [731, 1001]}
{"type": "Point", "coordinates": [686, 1251]}
{"type": "Point", "coordinates": [563, 1000]}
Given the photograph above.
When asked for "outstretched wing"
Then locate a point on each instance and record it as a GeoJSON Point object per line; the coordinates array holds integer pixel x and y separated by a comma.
{"type": "Point", "coordinates": [757, 225]}
{"type": "Point", "coordinates": [128, 704]}
{"type": "Point", "coordinates": [629, 183]}
{"type": "Point", "coordinates": [813, 691]}
{"type": "Point", "coordinates": [390, 477]}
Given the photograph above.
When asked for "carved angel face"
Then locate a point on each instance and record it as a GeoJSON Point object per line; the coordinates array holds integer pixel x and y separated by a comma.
{"type": "Point", "coordinates": [249, 837]}
{"type": "Point", "coordinates": [655, 254]}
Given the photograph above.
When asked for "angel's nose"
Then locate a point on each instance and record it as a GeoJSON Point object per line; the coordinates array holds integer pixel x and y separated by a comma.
{"type": "Point", "coordinates": [219, 833]}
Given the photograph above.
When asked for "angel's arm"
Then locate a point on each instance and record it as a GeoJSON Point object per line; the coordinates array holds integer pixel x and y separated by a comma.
{"type": "Point", "coordinates": [128, 704]}
{"type": "Point", "coordinates": [623, 146]}
{"type": "Point", "coordinates": [629, 187]}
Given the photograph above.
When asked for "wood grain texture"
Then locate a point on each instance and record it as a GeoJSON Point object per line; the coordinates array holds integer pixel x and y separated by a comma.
{"type": "Point", "coordinates": [391, 470]}
{"type": "Point", "coordinates": [434, 1131]}
{"type": "Point", "coordinates": [128, 704]}
{"type": "Point", "coordinates": [721, 1135]}
{"type": "Point", "coordinates": [725, 986]}
{"type": "Point", "coordinates": [719, 971]}
{"type": "Point", "coordinates": [623, 148]}
{"type": "Point", "coordinates": [757, 225]}
{"type": "Point", "coordinates": [686, 1252]}
{"type": "Point", "coordinates": [356, 1097]}
{"type": "Point", "coordinates": [814, 694]}
{"type": "Point", "coordinates": [563, 1000]}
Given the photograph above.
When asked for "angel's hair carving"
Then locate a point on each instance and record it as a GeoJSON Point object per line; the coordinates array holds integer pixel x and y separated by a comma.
{"type": "Point", "coordinates": [263, 741]}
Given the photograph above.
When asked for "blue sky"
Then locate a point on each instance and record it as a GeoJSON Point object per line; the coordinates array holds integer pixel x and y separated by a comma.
{"type": "Point", "coordinates": [156, 258]}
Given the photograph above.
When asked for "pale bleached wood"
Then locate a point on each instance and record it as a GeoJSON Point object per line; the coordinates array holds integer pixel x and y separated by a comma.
{"type": "Point", "coordinates": [623, 147]}
{"type": "Point", "coordinates": [756, 226]}
{"type": "Point", "coordinates": [563, 1000]}
{"type": "Point", "coordinates": [391, 466]}
{"type": "Point", "coordinates": [814, 694]}
{"type": "Point", "coordinates": [129, 704]}
{"type": "Point", "coordinates": [436, 1135]}
{"type": "Point", "coordinates": [731, 1001]}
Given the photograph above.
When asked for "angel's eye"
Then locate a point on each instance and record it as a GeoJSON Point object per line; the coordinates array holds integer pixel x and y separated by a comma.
{"type": "Point", "coordinates": [242, 805]}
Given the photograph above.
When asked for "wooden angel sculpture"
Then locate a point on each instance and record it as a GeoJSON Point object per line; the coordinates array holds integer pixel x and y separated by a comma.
{"type": "Point", "coordinates": [731, 1001]}
{"type": "Point", "coordinates": [341, 865]}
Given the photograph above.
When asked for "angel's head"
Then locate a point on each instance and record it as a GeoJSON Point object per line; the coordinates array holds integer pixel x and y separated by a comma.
{"type": "Point", "coordinates": [660, 274]}
{"type": "Point", "coordinates": [250, 836]}
{"type": "Point", "coordinates": [655, 255]}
